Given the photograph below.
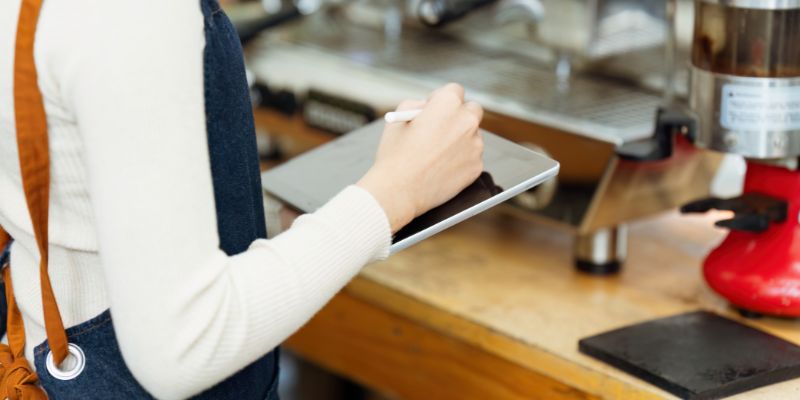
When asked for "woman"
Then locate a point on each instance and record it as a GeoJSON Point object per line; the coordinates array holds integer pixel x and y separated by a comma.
{"type": "Point", "coordinates": [155, 214]}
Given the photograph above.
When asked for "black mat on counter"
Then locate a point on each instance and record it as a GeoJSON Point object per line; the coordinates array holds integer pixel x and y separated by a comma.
{"type": "Point", "coordinates": [698, 355]}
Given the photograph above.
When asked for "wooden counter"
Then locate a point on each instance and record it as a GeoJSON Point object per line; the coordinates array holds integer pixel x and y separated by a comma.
{"type": "Point", "coordinates": [493, 309]}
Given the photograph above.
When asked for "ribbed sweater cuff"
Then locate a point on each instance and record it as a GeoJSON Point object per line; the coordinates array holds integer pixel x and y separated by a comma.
{"type": "Point", "coordinates": [355, 210]}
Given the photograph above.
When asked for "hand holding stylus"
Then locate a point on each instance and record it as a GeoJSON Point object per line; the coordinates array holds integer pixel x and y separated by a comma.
{"type": "Point", "coordinates": [421, 165]}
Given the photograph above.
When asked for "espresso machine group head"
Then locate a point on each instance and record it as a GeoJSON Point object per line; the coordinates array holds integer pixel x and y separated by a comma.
{"type": "Point", "coordinates": [745, 94]}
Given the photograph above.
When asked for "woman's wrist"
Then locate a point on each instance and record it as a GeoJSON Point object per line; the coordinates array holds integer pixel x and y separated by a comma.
{"type": "Point", "coordinates": [396, 203]}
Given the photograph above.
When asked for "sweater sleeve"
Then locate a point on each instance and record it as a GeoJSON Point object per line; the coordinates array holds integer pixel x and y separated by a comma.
{"type": "Point", "coordinates": [187, 315]}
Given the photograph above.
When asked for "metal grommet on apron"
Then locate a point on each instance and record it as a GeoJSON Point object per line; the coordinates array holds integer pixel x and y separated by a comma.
{"type": "Point", "coordinates": [71, 367]}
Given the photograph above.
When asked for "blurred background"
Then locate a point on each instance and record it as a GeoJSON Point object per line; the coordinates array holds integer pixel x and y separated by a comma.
{"type": "Point", "coordinates": [626, 94]}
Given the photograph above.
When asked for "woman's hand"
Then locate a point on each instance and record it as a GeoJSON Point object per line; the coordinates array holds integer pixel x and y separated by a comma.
{"type": "Point", "coordinates": [425, 162]}
{"type": "Point", "coordinates": [287, 215]}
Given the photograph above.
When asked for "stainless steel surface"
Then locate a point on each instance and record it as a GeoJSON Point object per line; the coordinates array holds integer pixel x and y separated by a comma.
{"type": "Point", "coordinates": [758, 4]}
{"type": "Point", "coordinates": [526, 11]}
{"type": "Point", "coordinates": [504, 82]}
{"type": "Point", "coordinates": [759, 135]}
{"type": "Point", "coordinates": [597, 190]}
{"type": "Point", "coordinates": [312, 179]}
{"type": "Point", "coordinates": [600, 28]}
{"type": "Point", "coordinates": [630, 190]}
{"type": "Point", "coordinates": [642, 64]}
{"type": "Point", "coordinates": [580, 123]}
{"type": "Point", "coordinates": [671, 53]}
{"type": "Point", "coordinates": [745, 77]}
{"type": "Point", "coordinates": [602, 247]}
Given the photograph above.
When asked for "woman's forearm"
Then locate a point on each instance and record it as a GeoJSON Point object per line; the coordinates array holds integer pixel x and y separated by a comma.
{"type": "Point", "coordinates": [225, 312]}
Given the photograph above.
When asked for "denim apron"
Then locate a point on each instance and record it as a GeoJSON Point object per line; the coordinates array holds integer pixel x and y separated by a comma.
{"type": "Point", "coordinates": [240, 220]}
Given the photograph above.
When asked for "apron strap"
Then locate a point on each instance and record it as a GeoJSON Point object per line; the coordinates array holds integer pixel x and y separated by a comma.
{"type": "Point", "coordinates": [4, 239]}
{"type": "Point", "coordinates": [34, 161]}
{"type": "Point", "coordinates": [17, 380]}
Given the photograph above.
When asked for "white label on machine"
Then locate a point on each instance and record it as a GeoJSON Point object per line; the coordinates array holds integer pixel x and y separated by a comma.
{"type": "Point", "coordinates": [752, 108]}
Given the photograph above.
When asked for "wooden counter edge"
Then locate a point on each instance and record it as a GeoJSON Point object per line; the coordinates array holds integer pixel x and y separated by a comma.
{"type": "Point", "coordinates": [387, 340]}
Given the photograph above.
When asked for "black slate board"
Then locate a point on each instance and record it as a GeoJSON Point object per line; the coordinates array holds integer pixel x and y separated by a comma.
{"type": "Point", "coordinates": [697, 355]}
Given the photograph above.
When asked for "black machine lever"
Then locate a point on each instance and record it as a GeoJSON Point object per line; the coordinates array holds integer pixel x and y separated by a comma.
{"type": "Point", "coordinates": [746, 223]}
{"type": "Point", "coordinates": [753, 212]}
{"type": "Point", "coordinates": [669, 122]}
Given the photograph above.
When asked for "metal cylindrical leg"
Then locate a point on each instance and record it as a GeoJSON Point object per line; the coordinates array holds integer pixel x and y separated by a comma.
{"type": "Point", "coordinates": [601, 252]}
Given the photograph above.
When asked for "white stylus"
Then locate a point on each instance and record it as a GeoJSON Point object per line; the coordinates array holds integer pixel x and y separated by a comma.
{"type": "Point", "coordinates": [401, 116]}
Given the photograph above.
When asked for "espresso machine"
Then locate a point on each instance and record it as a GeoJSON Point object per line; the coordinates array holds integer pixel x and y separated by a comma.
{"type": "Point", "coordinates": [580, 80]}
{"type": "Point", "coordinates": [745, 96]}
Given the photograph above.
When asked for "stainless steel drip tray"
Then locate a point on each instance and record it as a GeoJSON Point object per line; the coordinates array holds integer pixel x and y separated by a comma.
{"type": "Point", "coordinates": [504, 82]}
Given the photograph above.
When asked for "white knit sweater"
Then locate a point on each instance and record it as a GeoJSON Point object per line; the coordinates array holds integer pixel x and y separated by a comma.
{"type": "Point", "coordinates": [132, 218]}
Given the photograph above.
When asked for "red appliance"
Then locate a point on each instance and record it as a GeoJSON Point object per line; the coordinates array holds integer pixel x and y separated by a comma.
{"type": "Point", "coordinates": [757, 266]}
{"type": "Point", "coordinates": [745, 95]}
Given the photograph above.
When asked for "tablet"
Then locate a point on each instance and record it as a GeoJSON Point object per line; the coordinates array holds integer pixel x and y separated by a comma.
{"type": "Point", "coordinates": [309, 180]}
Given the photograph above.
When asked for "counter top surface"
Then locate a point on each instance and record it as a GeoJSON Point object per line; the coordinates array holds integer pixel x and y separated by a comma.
{"type": "Point", "coordinates": [494, 305]}
{"type": "Point", "coordinates": [508, 287]}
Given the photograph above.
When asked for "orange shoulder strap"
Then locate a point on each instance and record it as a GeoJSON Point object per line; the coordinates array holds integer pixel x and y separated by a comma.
{"type": "Point", "coordinates": [4, 239]}
{"type": "Point", "coordinates": [34, 161]}
{"type": "Point", "coordinates": [17, 379]}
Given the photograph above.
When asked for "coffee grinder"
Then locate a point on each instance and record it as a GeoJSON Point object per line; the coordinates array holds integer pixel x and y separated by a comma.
{"type": "Point", "coordinates": [745, 96]}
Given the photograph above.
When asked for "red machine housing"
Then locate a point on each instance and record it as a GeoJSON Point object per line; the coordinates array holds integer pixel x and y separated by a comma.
{"type": "Point", "coordinates": [760, 272]}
